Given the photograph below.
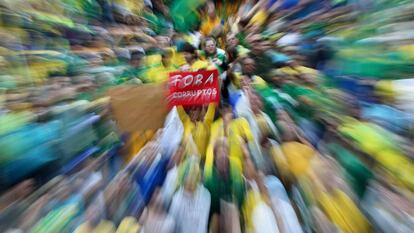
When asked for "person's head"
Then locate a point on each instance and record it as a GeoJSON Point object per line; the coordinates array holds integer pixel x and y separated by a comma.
{"type": "Point", "coordinates": [211, 9]}
{"type": "Point", "coordinates": [248, 66]}
{"type": "Point", "coordinates": [195, 114]}
{"type": "Point", "coordinates": [189, 52]}
{"type": "Point", "coordinates": [221, 152]}
{"type": "Point", "coordinates": [326, 169]}
{"type": "Point", "coordinates": [231, 40]}
{"type": "Point", "coordinates": [166, 56]}
{"type": "Point", "coordinates": [232, 54]}
{"type": "Point", "coordinates": [108, 56]}
{"type": "Point", "coordinates": [308, 79]}
{"type": "Point", "coordinates": [210, 45]}
{"type": "Point", "coordinates": [163, 41]}
{"type": "Point", "coordinates": [287, 131]}
{"type": "Point", "coordinates": [282, 115]}
{"type": "Point", "coordinates": [136, 58]}
{"type": "Point", "coordinates": [278, 78]}
{"type": "Point", "coordinates": [94, 59]}
{"type": "Point", "coordinates": [226, 112]}
{"type": "Point", "coordinates": [256, 103]}
{"type": "Point", "coordinates": [292, 63]}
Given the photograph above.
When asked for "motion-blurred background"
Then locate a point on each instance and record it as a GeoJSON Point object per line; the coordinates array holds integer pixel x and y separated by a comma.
{"type": "Point", "coordinates": [314, 130]}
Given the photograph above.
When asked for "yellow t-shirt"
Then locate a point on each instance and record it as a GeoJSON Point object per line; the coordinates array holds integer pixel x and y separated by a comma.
{"type": "Point", "coordinates": [259, 18]}
{"type": "Point", "coordinates": [238, 129]}
{"type": "Point", "coordinates": [132, 5]}
{"type": "Point", "coordinates": [298, 70]}
{"type": "Point", "coordinates": [343, 212]}
{"type": "Point", "coordinates": [198, 65]}
{"type": "Point", "coordinates": [177, 58]}
{"type": "Point", "coordinates": [200, 131]}
{"type": "Point", "coordinates": [201, 65]}
{"type": "Point", "coordinates": [298, 157]}
{"type": "Point", "coordinates": [159, 74]}
{"type": "Point", "coordinates": [152, 60]}
{"type": "Point", "coordinates": [257, 81]}
{"type": "Point", "coordinates": [128, 225]}
{"type": "Point", "coordinates": [136, 142]}
{"type": "Point", "coordinates": [208, 25]}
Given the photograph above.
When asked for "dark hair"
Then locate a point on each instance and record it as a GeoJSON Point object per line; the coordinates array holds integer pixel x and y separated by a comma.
{"type": "Point", "coordinates": [243, 59]}
{"type": "Point", "coordinates": [137, 55]}
{"type": "Point", "coordinates": [189, 48]}
{"type": "Point", "coordinates": [225, 106]}
{"type": "Point", "coordinates": [232, 53]}
{"type": "Point", "coordinates": [209, 38]}
{"type": "Point", "coordinates": [166, 53]}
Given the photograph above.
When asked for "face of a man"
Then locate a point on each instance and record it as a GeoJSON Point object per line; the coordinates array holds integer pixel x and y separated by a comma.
{"type": "Point", "coordinates": [227, 115]}
{"type": "Point", "coordinates": [248, 66]}
{"type": "Point", "coordinates": [166, 60]}
{"type": "Point", "coordinates": [188, 57]}
{"type": "Point", "coordinates": [231, 41]}
{"type": "Point", "coordinates": [245, 83]}
{"type": "Point", "coordinates": [211, 10]}
{"type": "Point", "coordinates": [136, 62]}
{"type": "Point", "coordinates": [210, 47]}
{"type": "Point", "coordinates": [162, 41]}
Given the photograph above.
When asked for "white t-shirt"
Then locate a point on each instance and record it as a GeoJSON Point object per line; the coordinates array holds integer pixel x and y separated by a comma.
{"type": "Point", "coordinates": [191, 211]}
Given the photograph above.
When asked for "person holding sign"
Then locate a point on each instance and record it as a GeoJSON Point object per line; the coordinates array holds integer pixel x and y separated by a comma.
{"type": "Point", "coordinates": [197, 125]}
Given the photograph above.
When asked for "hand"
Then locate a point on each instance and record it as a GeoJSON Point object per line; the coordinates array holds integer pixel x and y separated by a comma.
{"type": "Point", "coordinates": [217, 61]}
{"type": "Point", "coordinates": [185, 68]}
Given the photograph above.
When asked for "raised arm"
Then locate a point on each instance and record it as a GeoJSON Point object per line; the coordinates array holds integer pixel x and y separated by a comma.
{"type": "Point", "coordinates": [209, 117]}
{"type": "Point", "coordinates": [183, 115]}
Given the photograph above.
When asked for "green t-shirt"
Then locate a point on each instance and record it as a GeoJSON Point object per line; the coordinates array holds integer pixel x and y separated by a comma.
{"type": "Point", "coordinates": [356, 173]}
{"type": "Point", "coordinates": [132, 72]}
{"type": "Point", "coordinates": [230, 189]}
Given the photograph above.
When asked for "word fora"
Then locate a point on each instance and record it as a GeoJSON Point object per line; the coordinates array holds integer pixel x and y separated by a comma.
{"type": "Point", "coordinates": [181, 81]}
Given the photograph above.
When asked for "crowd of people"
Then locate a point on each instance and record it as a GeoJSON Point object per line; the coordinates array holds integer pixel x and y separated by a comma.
{"type": "Point", "coordinates": [293, 145]}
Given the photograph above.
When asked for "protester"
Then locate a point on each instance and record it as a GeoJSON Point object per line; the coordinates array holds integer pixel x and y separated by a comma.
{"type": "Point", "coordinates": [159, 74]}
{"type": "Point", "coordinates": [235, 130]}
{"type": "Point", "coordinates": [197, 125]}
{"type": "Point", "coordinates": [156, 218]}
{"type": "Point", "coordinates": [135, 71]}
{"type": "Point", "coordinates": [191, 203]}
{"type": "Point", "coordinates": [214, 55]}
{"type": "Point", "coordinates": [212, 23]}
{"type": "Point", "coordinates": [224, 181]}
{"type": "Point", "coordinates": [248, 72]}
{"type": "Point", "coordinates": [234, 49]}
{"type": "Point", "coordinates": [193, 63]}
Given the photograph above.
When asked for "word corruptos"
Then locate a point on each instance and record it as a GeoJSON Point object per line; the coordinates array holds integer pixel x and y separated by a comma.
{"type": "Point", "coordinates": [193, 88]}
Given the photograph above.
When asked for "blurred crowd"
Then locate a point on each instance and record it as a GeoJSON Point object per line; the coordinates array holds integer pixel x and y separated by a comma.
{"type": "Point", "coordinates": [314, 130]}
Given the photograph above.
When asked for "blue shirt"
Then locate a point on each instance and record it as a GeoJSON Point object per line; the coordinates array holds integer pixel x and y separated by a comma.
{"type": "Point", "coordinates": [233, 99]}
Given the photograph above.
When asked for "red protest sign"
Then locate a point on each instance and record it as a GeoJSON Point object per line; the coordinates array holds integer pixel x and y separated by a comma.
{"type": "Point", "coordinates": [193, 88]}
